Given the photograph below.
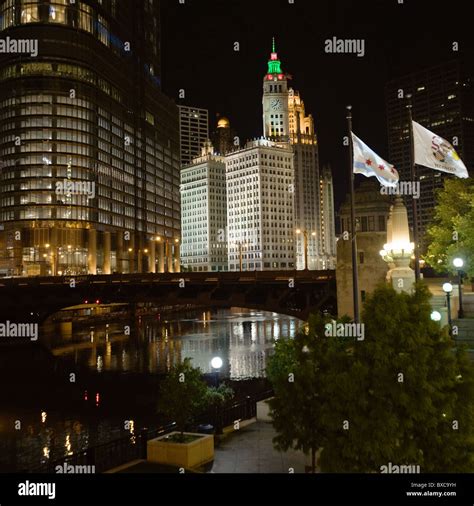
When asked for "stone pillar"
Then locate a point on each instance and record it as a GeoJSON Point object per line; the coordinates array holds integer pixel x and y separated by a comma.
{"type": "Point", "coordinates": [139, 255]}
{"type": "Point", "coordinates": [53, 251]}
{"type": "Point", "coordinates": [131, 254]}
{"type": "Point", "coordinates": [119, 252]}
{"type": "Point", "coordinates": [177, 260]}
{"type": "Point", "coordinates": [169, 257]}
{"type": "Point", "coordinates": [106, 266]}
{"type": "Point", "coordinates": [161, 256]}
{"type": "Point", "coordinates": [151, 257]}
{"type": "Point", "coordinates": [92, 251]}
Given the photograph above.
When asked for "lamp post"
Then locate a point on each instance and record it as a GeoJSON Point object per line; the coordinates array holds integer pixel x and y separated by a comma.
{"type": "Point", "coordinates": [216, 364]}
{"type": "Point", "coordinates": [447, 289]}
{"type": "Point", "coordinates": [240, 245]}
{"type": "Point", "coordinates": [305, 245]}
{"type": "Point", "coordinates": [161, 254]}
{"type": "Point", "coordinates": [177, 258]}
{"type": "Point", "coordinates": [458, 263]}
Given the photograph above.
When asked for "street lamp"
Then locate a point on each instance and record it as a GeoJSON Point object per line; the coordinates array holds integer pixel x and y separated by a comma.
{"type": "Point", "coordinates": [240, 245]}
{"type": "Point", "coordinates": [435, 316]}
{"type": "Point", "coordinates": [216, 364]}
{"type": "Point", "coordinates": [305, 245]}
{"type": "Point", "coordinates": [447, 289]}
{"type": "Point", "coordinates": [458, 263]}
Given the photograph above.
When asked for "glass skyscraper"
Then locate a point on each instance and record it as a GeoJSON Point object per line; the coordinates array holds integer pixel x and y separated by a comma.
{"type": "Point", "coordinates": [89, 145]}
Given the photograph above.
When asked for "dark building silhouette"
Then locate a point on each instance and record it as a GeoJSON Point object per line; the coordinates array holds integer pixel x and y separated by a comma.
{"type": "Point", "coordinates": [223, 137]}
{"type": "Point", "coordinates": [443, 102]}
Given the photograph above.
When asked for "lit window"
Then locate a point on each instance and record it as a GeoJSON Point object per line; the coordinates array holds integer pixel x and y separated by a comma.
{"type": "Point", "coordinates": [29, 12]}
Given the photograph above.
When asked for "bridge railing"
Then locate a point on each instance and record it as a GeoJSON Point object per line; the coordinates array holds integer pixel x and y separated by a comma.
{"type": "Point", "coordinates": [142, 278]}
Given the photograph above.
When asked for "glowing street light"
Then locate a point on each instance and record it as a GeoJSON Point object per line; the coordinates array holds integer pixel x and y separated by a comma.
{"type": "Point", "coordinates": [458, 263]}
{"type": "Point", "coordinates": [435, 316]}
{"type": "Point", "coordinates": [216, 363]}
{"type": "Point", "coordinates": [305, 244]}
{"type": "Point", "coordinates": [447, 289]}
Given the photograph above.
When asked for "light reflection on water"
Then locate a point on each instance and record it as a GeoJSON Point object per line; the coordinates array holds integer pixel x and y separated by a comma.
{"type": "Point", "coordinates": [243, 339]}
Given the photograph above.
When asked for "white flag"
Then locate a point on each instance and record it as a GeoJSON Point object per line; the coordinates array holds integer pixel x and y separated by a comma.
{"type": "Point", "coordinates": [370, 164]}
{"type": "Point", "coordinates": [435, 152]}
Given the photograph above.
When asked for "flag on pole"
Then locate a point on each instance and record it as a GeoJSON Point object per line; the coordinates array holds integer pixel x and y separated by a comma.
{"type": "Point", "coordinates": [436, 153]}
{"type": "Point", "coordinates": [368, 163]}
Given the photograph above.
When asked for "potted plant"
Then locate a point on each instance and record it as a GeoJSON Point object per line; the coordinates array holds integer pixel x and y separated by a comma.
{"type": "Point", "coordinates": [183, 395]}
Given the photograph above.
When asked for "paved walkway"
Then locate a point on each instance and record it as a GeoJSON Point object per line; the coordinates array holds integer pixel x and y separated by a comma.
{"type": "Point", "coordinates": [250, 450]}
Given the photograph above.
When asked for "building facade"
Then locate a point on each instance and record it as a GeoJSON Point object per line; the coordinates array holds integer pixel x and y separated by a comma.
{"type": "Point", "coordinates": [285, 120]}
{"type": "Point", "coordinates": [260, 202]}
{"type": "Point", "coordinates": [307, 199]}
{"type": "Point", "coordinates": [275, 100]}
{"type": "Point", "coordinates": [193, 132]}
{"type": "Point", "coordinates": [224, 137]}
{"type": "Point", "coordinates": [371, 212]}
{"type": "Point", "coordinates": [443, 101]}
{"type": "Point", "coordinates": [204, 213]}
{"type": "Point", "coordinates": [89, 146]}
{"type": "Point", "coordinates": [327, 235]}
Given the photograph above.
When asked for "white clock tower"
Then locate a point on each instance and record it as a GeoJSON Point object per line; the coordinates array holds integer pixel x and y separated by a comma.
{"type": "Point", "coordinates": [275, 100]}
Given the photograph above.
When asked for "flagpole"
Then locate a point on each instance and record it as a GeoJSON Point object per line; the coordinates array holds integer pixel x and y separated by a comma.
{"type": "Point", "coordinates": [355, 280]}
{"type": "Point", "coordinates": [413, 200]}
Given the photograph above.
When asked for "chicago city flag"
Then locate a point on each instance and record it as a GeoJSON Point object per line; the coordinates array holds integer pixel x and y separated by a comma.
{"type": "Point", "coordinates": [370, 164]}
{"type": "Point", "coordinates": [435, 152]}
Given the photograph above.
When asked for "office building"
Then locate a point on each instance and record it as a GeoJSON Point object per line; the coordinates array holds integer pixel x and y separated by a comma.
{"type": "Point", "coordinates": [193, 132]}
{"type": "Point", "coordinates": [260, 219]}
{"type": "Point", "coordinates": [89, 145]}
{"type": "Point", "coordinates": [443, 102]}
{"type": "Point", "coordinates": [204, 213]}
{"type": "Point", "coordinates": [327, 235]}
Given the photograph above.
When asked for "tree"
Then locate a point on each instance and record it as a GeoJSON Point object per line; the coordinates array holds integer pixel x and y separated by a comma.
{"type": "Point", "coordinates": [451, 233]}
{"type": "Point", "coordinates": [183, 394]}
{"type": "Point", "coordinates": [216, 398]}
{"type": "Point", "coordinates": [403, 395]}
{"type": "Point", "coordinates": [416, 395]}
{"type": "Point", "coordinates": [301, 372]}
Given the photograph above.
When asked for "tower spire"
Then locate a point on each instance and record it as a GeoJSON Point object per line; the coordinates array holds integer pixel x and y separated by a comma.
{"type": "Point", "coordinates": [274, 64]}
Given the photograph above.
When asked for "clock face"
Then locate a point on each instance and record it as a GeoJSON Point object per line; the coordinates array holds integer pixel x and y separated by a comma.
{"type": "Point", "coordinates": [276, 104]}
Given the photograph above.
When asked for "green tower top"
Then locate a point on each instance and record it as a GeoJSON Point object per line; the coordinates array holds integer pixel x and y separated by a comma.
{"type": "Point", "coordinates": [274, 64]}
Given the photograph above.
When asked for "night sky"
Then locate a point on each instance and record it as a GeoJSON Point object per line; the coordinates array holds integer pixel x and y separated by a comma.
{"type": "Point", "coordinates": [198, 55]}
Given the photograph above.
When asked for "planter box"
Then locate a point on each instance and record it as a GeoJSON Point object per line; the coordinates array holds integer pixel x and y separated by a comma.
{"type": "Point", "coordinates": [188, 455]}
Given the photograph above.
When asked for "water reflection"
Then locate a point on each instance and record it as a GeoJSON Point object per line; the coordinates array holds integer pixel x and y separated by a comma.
{"type": "Point", "coordinates": [242, 338]}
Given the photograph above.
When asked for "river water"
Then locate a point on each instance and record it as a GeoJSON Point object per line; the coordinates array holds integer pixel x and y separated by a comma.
{"type": "Point", "coordinates": [60, 416]}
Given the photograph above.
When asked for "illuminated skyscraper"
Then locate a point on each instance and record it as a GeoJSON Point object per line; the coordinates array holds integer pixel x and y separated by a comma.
{"type": "Point", "coordinates": [307, 209]}
{"type": "Point", "coordinates": [260, 220]}
{"type": "Point", "coordinates": [204, 213]}
{"type": "Point", "coordinates": [89, 143]}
